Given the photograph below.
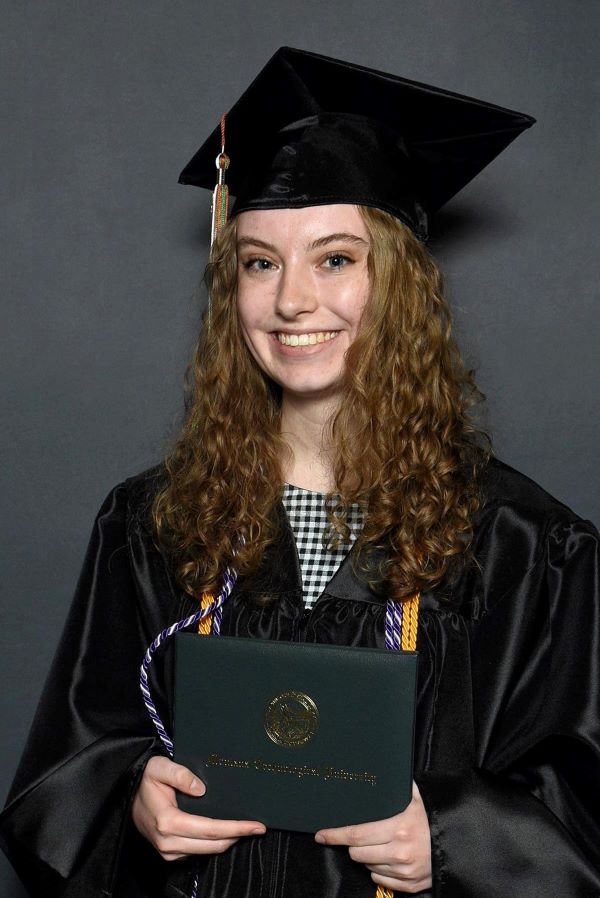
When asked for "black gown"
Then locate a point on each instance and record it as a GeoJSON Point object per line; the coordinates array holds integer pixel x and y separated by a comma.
{"type": "Point", "coordinates": [508, 727]}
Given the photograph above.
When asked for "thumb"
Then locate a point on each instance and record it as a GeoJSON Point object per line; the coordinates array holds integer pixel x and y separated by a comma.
{"type": "Point", "coordinates": [415, 792]}
{"type": "Point", "coordinates": [175, 775]}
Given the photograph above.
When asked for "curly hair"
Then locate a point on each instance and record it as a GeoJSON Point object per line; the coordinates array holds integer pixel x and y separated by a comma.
{"type": "Point", "coordinates": [403, 443]}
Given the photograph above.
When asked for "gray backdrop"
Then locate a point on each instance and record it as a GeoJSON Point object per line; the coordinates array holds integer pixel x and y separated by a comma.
{"type": "Point", "coordinates": [103, 250]}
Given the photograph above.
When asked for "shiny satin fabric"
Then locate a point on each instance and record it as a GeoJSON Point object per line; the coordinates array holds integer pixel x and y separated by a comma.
{"type": "Point", "coordinates": [508, 715]}
{"type": "Point", "coordinates": [342, 133]}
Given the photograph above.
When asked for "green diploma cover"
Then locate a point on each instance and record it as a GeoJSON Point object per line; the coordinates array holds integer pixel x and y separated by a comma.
{"type": "Point", "coordinates": [297, 735]}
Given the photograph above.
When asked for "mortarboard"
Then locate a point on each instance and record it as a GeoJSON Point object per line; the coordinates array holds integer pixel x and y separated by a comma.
{"type": "Point", "coordinates": [311, 130]}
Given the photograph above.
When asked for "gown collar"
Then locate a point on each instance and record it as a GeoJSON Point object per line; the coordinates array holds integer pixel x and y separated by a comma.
{"type": "Point", "coordinates": [279, 572]}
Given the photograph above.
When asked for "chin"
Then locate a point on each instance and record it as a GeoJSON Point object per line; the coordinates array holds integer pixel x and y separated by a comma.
{"type": "Point", "coordinates": [329, 390]}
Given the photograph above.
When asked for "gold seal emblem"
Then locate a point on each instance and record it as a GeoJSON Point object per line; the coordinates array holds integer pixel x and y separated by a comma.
{"type": "Point", "coordinates": [291, 719]}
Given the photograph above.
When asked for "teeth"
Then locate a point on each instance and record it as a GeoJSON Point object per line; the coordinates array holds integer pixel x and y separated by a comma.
{"type": "Point", "coordinates": [306, 339]}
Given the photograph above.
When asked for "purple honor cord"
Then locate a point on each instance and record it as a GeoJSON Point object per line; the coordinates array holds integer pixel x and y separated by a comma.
{"type": "Point", "coordinates": [214, 608]}
{"type": "Point", "coordinates": [393, 641]}
{"type": "Point", "coordinates": [393, 625]}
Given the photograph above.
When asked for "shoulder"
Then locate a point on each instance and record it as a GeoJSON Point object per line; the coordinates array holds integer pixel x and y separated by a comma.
{"type": "Point", "coordinates": [130, 500]}
{"type": "Point", "coordinates": [516, 506]}
{"type": "Point", "coordinates": [505, 487]}
{"type": "Point", "coordinates": [143, 488]}
{"type": "Point", "coordinates": [137, 493]}
{"type": "Point", "coordinates": [522, 534]}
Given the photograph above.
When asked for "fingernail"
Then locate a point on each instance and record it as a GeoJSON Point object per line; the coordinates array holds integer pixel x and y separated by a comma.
{"type": "Point", "coordinates": [319, 838]}
{"type": "Point", "coordinates": [259, 831]}
{"type": "Point", "coordinates": [196, 786]}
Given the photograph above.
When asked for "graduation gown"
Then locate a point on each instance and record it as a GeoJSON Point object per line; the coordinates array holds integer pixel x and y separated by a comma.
{"type": "Point", "coordinates": [507, 751]}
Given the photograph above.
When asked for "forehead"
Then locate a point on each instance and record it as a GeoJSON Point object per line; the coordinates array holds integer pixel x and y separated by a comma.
{"type": "Point", "coordinates": [302, 225]}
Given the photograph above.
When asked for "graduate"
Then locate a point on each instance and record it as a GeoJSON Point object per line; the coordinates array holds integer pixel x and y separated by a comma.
{"type": "Point", "coordinates": [330, 470]}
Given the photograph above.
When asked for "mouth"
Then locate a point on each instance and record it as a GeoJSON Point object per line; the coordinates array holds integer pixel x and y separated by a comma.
{"type": "Point", "coordinates": [308, 339]}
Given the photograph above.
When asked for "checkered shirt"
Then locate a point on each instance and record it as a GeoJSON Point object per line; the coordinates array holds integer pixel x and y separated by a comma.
{"type": "Point", "coordinates": [306, 511]}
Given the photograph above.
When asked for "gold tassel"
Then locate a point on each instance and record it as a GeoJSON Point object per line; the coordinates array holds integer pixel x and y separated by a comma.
{"type": "Point", "coordinates": [220, 203]}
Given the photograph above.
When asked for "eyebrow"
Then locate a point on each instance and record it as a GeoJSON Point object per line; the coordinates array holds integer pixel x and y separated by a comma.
{"type": "Point", "coordinates": [338, 238]}
{"type": "Point", "coordinates": [315, 244]}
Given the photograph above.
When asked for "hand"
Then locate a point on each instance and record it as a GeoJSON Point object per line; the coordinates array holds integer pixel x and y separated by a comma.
{"type": "Point", "coordinates": [174, 833]}
{"type": "Point", "coordinates": [397, 851]}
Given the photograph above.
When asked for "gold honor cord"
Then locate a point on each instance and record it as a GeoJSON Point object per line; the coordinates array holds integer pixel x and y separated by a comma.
{"type": "Point", "coordinates": [410, 623]}
{"type": "Point", "coordinates": [410, 626]}
{"type": "Point", "coordinates": [205, 624]}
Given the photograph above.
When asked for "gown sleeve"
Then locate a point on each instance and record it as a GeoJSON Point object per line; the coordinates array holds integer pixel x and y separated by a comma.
{"type": "Point", "coordinates": [68, 809]}
{"type": "Point", "coordinates": [525, 820]}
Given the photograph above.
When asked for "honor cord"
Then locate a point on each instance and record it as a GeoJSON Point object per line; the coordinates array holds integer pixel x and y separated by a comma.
{"type": "Point", "coordinates": [399, 634]}
{"type": "Point", "coordinates": [401, 623]}
{"type": "Point", "coordinates": [215, 606]}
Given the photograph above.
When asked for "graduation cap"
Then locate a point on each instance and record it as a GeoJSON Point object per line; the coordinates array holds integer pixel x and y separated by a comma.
{"type": "Point", "coordinates": [311, 130]}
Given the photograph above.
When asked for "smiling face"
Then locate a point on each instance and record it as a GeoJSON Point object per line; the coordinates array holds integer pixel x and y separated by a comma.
{"type": "Point", "coordinates": [302, 285]}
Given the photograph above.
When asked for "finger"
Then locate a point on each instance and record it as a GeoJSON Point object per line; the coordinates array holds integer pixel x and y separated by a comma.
{"type": "Point", "coordinates": [174, 849]}
{"type": "Point", "coordinates": [380, 832]}
{"type": "Point", "coordinates": [165, 771]}
{"type": "Point", "coordinates": [402, 872]}
{"type": "Point", "coordinates": [193, 826]}
{"type": "Point", "coordinates": [392, 855]}
{"type": "Point", "coordinates": [401, 885]}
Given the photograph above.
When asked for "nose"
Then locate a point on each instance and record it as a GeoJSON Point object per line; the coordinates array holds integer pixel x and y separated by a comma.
{"type": "Point", "coordinates": [296, 292]}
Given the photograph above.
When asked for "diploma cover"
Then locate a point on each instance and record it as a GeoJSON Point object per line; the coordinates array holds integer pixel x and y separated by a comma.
{"type": "Point", "coordinates": [300, 736]}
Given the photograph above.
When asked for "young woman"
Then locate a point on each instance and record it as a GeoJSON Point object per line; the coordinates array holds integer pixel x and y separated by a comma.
{"type": "Point", "coordinates": [329, 398]}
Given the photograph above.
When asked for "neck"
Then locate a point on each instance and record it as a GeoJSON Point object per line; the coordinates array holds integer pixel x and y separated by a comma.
{"type": "Point", "coordinates": [304, 427]}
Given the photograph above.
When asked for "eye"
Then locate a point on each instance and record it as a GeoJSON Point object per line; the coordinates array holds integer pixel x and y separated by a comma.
{"type": "Point", "coordinates": [337, 261]}
{"type": "Point", "coordinates": [257, 264]}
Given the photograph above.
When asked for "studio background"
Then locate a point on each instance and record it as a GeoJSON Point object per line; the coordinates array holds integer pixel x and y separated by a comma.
{"type": "Point", "coordinates": [103, 251]}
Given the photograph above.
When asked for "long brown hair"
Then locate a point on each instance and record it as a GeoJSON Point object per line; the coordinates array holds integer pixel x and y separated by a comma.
{"type": "Point", "coordinates": [403, 445]}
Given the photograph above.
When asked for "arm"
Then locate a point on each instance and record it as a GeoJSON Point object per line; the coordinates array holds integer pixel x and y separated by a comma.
{"type": "Point", "coordinates": [526, 820]}
{"type": "Point", "coordinates": [68, 806]}
{"type": "Point", "coordinates": [92, 754]}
